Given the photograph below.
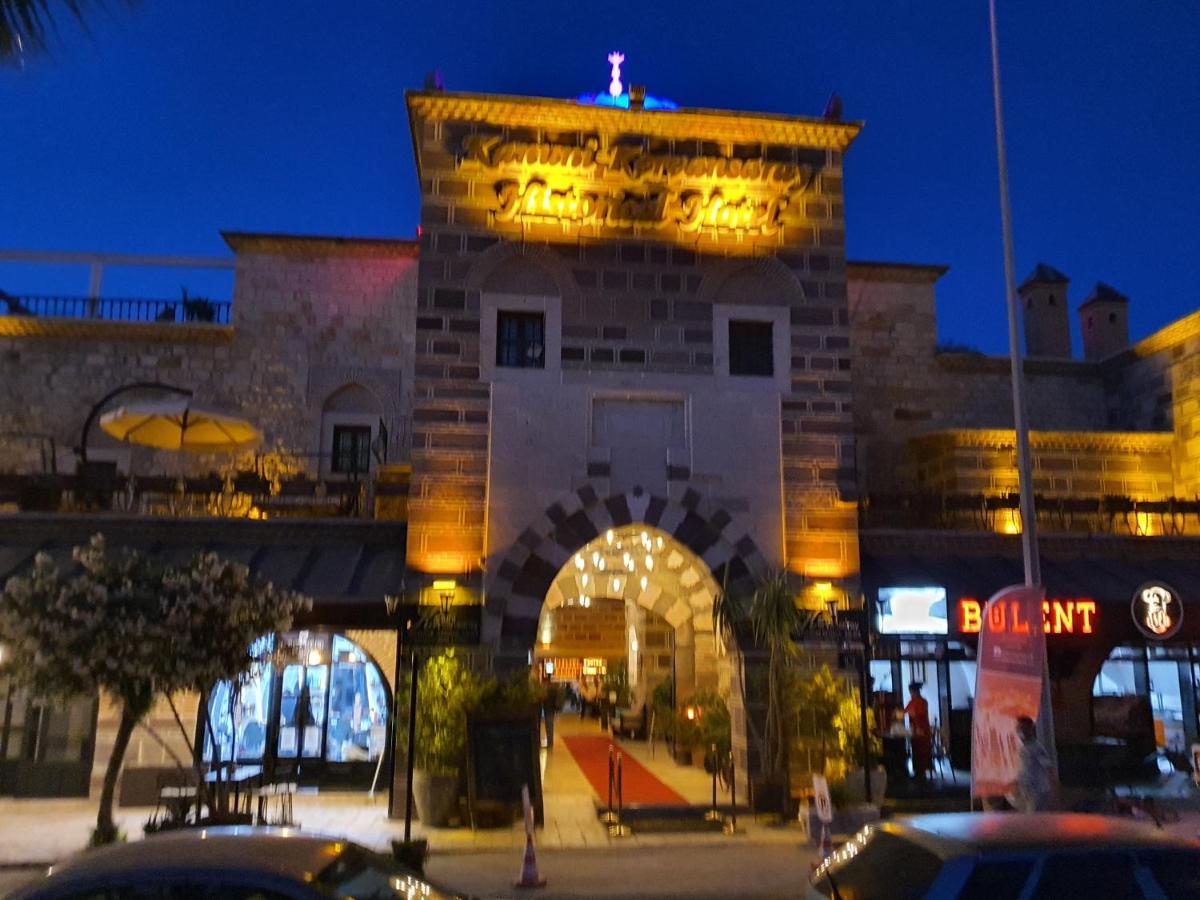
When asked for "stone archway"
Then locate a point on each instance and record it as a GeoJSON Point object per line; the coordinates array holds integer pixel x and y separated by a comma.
{"type": "Point", "coordinates": [528, 569]}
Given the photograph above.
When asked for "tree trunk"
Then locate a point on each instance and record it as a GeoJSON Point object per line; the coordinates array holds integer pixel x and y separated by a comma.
{"type": "Point", "coordinates": [106, 829]}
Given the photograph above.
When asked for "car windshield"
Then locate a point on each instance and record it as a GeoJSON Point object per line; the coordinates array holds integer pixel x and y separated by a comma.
{"type": "Point", "coordinates": [886, 866]}
{"type": "Point", "coordinates": [364, 875]}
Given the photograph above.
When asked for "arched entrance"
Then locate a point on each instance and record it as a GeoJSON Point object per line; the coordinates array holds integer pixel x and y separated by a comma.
{"type": "Point", "coordinates": [638, 599]}
{"type": "Point", "coordinates": [524, 576]}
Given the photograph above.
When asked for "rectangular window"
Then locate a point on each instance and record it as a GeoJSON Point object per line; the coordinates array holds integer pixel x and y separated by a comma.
{"type": "Point", "coordinates": [351, 448]}
{"type": "Point", "coordinates": [751, 349]}
{"type": "Point", "coordinates": [521, 340]}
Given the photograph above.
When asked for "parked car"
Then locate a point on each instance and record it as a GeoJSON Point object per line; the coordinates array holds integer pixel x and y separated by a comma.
{"type": "Point", "coordinates": [1003, 856]}
{"type": "Point", "coordinates": [230, 864]}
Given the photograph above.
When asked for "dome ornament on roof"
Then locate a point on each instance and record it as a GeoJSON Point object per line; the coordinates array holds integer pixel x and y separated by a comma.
{"type": "Point", "coordinates": [634, 98]}
{"type": "Point", "coordinates": [614, 87]}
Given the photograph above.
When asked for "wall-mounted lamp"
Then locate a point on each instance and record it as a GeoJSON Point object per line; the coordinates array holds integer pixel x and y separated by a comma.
{"type": "Point", "coordinates": [446, 588]}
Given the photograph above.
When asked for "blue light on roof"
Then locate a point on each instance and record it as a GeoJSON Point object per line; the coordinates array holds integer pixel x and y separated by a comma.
{"type": "Point", "coordinates": [621, 101]}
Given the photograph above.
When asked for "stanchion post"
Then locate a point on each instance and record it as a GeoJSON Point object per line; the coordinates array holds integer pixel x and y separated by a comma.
{"type": "Point", "coordinates": [617, 829]}
{"type": "Point", "coordinates": [609, 818]}
{"type": "Point", "coordinates": [714, 814]}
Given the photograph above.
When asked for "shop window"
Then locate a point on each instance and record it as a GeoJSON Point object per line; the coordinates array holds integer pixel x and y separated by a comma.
{"type": "Point", "coordinates": [39, 731]}
{"type": "Point", "coordinates": [321, 698]}
{"type": "Point", "coordinates": [751, 348]}
{"type": "Point", "coordinates": [521, 340]}
{"type": "Point", "coordinates": [962, 684]}
{"type": "Point", "coordinates": [351, 448]}
{"type": "Point", "coordinates": [240, 711]}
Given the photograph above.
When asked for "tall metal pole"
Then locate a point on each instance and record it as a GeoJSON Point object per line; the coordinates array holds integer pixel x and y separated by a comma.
{"type": "Point", "coordinates": [1029, 545]}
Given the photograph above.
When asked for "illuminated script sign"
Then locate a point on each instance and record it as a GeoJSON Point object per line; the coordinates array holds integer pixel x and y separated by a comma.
{"type": "Point", "coordinates": [1157, 610]}
{"type": "Point", "coordinates": [1058, 617]}
{"type": "Point", "coordinates": [621, 187]}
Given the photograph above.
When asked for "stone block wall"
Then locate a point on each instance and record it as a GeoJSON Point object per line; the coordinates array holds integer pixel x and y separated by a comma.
{"type": "Point", "coordinates": [309, 316]}
{"type": "Point", "coordinates": [1065, 464]}
{"type": "Point", "coordinates": [635, 299]}
{"type": "Point", "coordinates": [904, 387]}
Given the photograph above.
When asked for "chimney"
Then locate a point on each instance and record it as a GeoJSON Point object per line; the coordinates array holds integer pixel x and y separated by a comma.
{"type": "Point", "coordinates": [637, 97]}
{"type": "Point", "coordinates": [1044, 312]}
{"type": "Point", "coordinates": [1104, 321]}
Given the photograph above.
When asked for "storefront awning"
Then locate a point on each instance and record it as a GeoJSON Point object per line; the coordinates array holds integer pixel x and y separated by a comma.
{"type": "Point", "coordinates": [347, 567]}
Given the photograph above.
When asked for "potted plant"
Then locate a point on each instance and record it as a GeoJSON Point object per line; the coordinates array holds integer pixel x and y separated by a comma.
{"type": "Point", "coordinates": [689, 739]}
{"type": "Point", "coordinates": [448, 690]}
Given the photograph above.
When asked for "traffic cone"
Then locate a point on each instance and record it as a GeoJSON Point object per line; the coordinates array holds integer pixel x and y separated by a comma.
{"type": "Point", "coordinates": [529, 870]}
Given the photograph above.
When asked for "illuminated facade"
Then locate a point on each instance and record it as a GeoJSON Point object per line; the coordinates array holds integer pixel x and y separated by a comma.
{"type": "Point", "coordinates": [628, 334]}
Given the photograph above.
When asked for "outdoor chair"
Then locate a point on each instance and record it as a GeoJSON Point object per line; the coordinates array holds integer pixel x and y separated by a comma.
{"type": "Point", "coordinates": [279, 789]}
{"type": "Point", "coordinates": [630, 723]}
{"type": "Point", "coordinates": [177, 793]}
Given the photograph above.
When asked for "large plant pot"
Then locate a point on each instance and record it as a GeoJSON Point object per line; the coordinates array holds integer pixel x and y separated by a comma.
{"type": "Point", "coordinates": [435, 797]}
{"type": "Point", "coordinates": [697, 755]}
{"type": "Point", "coordinates": [856, 790]}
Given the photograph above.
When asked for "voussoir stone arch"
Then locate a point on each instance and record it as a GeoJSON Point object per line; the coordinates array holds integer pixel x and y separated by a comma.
{"type": "Point", "coordinates": [508, 268]}
{"type": "Point", "coordinates": [764, 281]}
{"type": "Point", "coordinates": [528, 569]}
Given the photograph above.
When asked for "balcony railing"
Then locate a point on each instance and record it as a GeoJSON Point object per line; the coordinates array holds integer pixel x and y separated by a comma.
{"type": "Point", "coordinates": [1002, 513]}
{"type": "Point", "coordinates": [118, 309]}
{"type": "Point", "coordinates": [240, 495]}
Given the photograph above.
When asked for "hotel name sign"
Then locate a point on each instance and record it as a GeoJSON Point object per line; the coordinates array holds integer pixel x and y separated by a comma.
{"type": "Point", "coordinates": [621, 186]}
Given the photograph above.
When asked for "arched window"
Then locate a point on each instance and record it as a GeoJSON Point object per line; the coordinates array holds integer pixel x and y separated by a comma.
{"type": "Point", "coordinates": [350, 431]}
{"type": "Point", "coordinates": [320, 697]}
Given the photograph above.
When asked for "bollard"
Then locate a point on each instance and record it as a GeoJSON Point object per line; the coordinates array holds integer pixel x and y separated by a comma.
{"type": "Point", "coordinates": [616, 829]}
{"type": "Point", "coordinates": [609, 818]}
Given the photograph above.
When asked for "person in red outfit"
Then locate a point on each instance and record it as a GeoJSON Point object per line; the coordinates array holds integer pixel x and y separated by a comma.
{"type": "Point", "coordinates": [922, 735]}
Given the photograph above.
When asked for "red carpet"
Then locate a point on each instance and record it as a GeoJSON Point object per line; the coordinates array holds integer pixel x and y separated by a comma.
{"type": "Point", "coordinates": [640, 786]}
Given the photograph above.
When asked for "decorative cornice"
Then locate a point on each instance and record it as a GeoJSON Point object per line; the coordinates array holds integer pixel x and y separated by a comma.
{"type": "Point", "coordinates": [916, 273]}
{"type": "Point", "coordinates": [109, 330]}
{"type": "Point", "coordinates": [1166, 338]}
{"type": "Point", "coordinates": [567, 115]}
{"type": "Point", "coordinates": [299, 245]}
{"type": "Point", "coordinates": [1005, 439]}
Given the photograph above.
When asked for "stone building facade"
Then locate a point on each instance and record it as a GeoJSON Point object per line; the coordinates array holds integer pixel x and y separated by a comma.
{"type": "Point", "coordinates": [637, 323]}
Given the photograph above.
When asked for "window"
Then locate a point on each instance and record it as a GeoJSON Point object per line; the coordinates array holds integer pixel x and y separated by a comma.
{"type": "Point", "coordinates": [521, 340]}
{"type": "Point", "coordinates": [751, 349]}
{"type": "Point", "coordinates": [351, 448]}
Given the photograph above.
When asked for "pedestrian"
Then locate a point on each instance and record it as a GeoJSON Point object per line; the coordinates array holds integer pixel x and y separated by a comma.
{"type": "Point", "coordinates": [1035, 771]}
{"type": "Point", "coordinates": [921, 737]}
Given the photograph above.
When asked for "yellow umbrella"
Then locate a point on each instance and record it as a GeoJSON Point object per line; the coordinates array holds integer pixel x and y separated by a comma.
{"type": "Point", "coordinates": [177, 425]}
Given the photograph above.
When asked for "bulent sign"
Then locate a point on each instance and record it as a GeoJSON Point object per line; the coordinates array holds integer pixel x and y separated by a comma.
{"type": "Point", "coordinates": [1058, 617]}
{"type": "Point", "coordinates": [1157, 610]}
{"type": "Point", "coordinates": [620, 186]}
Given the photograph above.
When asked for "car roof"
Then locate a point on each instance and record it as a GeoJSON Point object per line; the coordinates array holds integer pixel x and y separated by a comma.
{"type": "Point", "coordinates": [280, 852]}
{"type": "Point", "coordinates": [953, 833]}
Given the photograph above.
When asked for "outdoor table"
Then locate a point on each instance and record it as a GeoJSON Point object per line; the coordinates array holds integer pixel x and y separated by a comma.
{"type": "Point", "coordinates": [237, 777]}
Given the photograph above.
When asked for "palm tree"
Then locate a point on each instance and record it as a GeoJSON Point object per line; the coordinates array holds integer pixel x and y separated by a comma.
{"type": "Point", "coordinates": [775, 622]}
{"type": "Point", "coordinates": [26, 26]}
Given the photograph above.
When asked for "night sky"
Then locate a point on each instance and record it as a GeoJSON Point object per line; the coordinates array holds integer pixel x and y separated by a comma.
{"type": "Point", "coordinates": [178, 119]}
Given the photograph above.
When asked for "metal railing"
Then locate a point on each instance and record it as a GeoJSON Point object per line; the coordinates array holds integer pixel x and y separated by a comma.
{"type": "Point", "coordinates": [195, 310]}
{"type": "Point", "coordinates": [1001, 513]}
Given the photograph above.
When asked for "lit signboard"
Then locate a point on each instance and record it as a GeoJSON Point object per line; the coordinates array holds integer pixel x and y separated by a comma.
{"type": "Point", "coordinates": [912, 610]}
{"type": "Point", "coordinates": [1058, 617]}
{"type": "Point", "coordinates": [1157, 610]}
{"type": "Point", "coordinates": [620, 186]}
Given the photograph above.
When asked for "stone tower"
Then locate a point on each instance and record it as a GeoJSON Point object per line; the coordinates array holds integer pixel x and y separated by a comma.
{"type": "Point", "coordinates": [1104, 321]}
{"type": "Point", "coordinates": [1044, 312]}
